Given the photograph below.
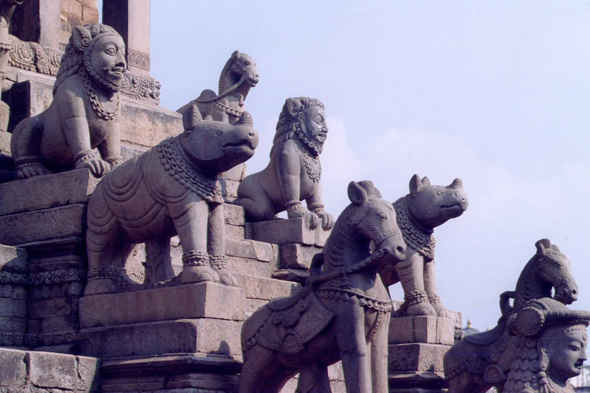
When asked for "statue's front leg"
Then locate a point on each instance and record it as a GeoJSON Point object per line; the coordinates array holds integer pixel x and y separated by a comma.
{"type": "Point", "coordinates": [430, 287]}
{"type": "Point", "coordinates": [190, 220]}
{"type": "Point", "coordinates": [216, 245]}
{"type": "Point", "coordinates": [411, 275]}
{"type": "Point", "coordinates": [110, 148]}
{"type": "Point", "coordinates": [315, 205]}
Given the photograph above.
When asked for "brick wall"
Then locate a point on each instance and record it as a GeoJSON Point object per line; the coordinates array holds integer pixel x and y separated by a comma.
{"type": "Point", "coordinates": [75, 13]}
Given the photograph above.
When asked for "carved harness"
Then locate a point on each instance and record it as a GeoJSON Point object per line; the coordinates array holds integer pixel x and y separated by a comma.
{"type": "Point", "coordinates": [417, 237]}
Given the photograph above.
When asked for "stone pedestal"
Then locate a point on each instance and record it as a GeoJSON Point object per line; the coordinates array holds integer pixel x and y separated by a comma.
{"type": "Point", "coordinates": [416, 349]}
{"type": "Point", "coordinates": [290, 231]}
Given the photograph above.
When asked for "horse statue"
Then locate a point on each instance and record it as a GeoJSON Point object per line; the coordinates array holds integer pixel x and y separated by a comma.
{"type": "Point", "coordinates": [238, 76]}
{"type": "Point", "coordinates": [342, 313]}
{"type": "Point", "coordinates": [481, 361]}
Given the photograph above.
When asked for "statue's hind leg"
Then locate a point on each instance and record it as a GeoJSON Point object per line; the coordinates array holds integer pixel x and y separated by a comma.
{"type": "Point", "coordinates": [262, 372]}
{"type": "Point", "coordinates": [25, 147]}
{"type": "Point", "coordinates": [430, 287]}
{"type": "Point", "coordinates": [379, 353]}
{"type": "Point", "coordinates": [411, 275]}
{"type": "Point", "coordinates": [314, 379]}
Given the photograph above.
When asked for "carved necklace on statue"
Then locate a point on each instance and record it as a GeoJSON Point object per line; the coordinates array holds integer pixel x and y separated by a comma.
{"type": "Point", "coordinates": [418, 238]}
{"type": "Point", "coordinates": [305, 145]}
{"type": "Point", "coordinates": [95, 102]}
{"type": "Point", "coordinates": [177, 166]}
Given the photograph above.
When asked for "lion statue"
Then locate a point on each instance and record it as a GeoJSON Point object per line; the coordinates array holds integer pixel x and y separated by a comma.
{"type": "Point", "coordinates": [294, 171]}
{"type": "Point", "coordinates": [84, 113]}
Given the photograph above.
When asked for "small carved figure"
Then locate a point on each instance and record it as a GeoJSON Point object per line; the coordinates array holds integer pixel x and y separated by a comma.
{"type": "Point", "coordinates": [551, 342]}
{"type": "Point", "coordinates": [84, 112]}
{"type": "Point", "coordinates": [294, 171]}
{"type": "Point", "coordinates": [418, 213]}
{"type": "Point", "coordinates": [170, 190]}
{"type": "Point", "coordinates": [341, 314]}
{"type": "Point", "coordinates": [481, 361]}
{"type": "Point", "coordinates": [238, 76]}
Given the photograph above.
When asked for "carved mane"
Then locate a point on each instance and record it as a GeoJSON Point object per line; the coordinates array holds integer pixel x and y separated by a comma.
{"type": "Point", "coordinates": [291, 116]}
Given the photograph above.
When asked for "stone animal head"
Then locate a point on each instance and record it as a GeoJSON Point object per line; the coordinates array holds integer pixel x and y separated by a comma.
{"type": "Point", "coordinates": [374, 218]}
{"type": "Point", "coordinates": [216, 147]}
{"type": "Point", "coordinates": [431, 206]}
{"type": "Point", "coordinates": [552, 346]}
{"type": "Point", "coordinates": [555, 269]}
{"type": "Point", "coordinates": [304, 120]}
{"type": "Point", "coordinates": [98, 51]}
{"type": "Point", "coordinates": [240, 68]}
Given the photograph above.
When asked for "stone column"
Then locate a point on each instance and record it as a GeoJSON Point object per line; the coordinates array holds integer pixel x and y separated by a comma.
{"type": "Point", "coordinates": [131, 18]}
{"type": "Point", "coordinates": [38, 21]}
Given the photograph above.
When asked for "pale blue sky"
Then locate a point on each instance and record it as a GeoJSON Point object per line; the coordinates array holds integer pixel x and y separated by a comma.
{"type": "Point", "coordinates": [494, 92]}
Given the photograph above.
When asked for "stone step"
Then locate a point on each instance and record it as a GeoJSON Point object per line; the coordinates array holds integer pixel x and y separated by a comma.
{"type": "Point", "coordinates": [290, 231]}
{"type": "Point", "coordinates": [265, 288]}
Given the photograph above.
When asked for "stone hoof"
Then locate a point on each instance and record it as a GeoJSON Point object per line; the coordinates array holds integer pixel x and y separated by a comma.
{"type": "Point", "coordinates": [227, 278]}
{"type": "Point", "coordinates": [97, 287]}
{"type": "Point", "coordinates": [423, 308]}
{"type": "Point", "coordinates": [192, 274]}
{"type": "Point", "coordinates": [442, 311]}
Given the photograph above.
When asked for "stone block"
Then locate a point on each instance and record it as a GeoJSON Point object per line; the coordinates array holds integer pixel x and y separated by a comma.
{"type": "Point", "coordinates": [229, 189]}
{"type": "Point", "coordinates": [59, 371]}
{"type": "Point", "coordinates": [29, 98]}
{"type": "Point", "coordinates": [13, 368]}
{"type": "Point", "coordinates": [297, 256]}
{"type": "Point", "coordinates": [233, 232]}
{"type": "Point", "coordinates": [421, 329]}
{"type": "Point", "coordinates": [254, 304]}
{"type": "Point", "coordinates": [250, 267]}
{"type": "Point", "coordinates": [33, 326]}
{"type": "Point", "coordinates": [229, 383]}
{"type": "Point", "coordinates": [265, 288]}
{"type": "Point", "coordinates": [147, 125]}
{"type": "Point", "coordinates": [234, 214]}
{"type": "Point", "coordinates": [134, 384]}
{"type": "Point", "coordinates": [20, 228]}
{"type": "Point", "coordinates": [12, 324]}
{"type": "Point", "coordinates": [12, 259]}
{"type": "Point", "coordinates": [89, 15]}
{"type": "Point", "coordinates": [60, 323]}
{"type": "Point", "coordinates": [43, 192]}
{"type": "Point", "coordinates": [71, 7]}
{"type": "Point", "coordinates": [281, 231]}
{"type": "Point", "coordinates": [14, 308]}
{"type": "Point", "coordinates": [202, 300]}
{"type": "Point", "coordinates": [205, 336]}
{"type": "Point", "coordinates": [294, 275]}
{"type": "Point", "coordinates": [45, 308]}
{"type": "Point", "coordinates": [251, 249]}
{"type": "Point", "coordinates": [13, 291]}
{"type": "Point", "coordinates": [5, 138]}
{"type": "Point", "coordinates": [237, 173]}
{"type": "Point", "coordinates": [416, 357]}
{"type": "Point", "coordinates": [49, 291]}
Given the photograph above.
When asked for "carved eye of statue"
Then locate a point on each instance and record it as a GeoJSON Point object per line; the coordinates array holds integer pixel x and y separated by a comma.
{"type": "Point", "coordinates": [439, 193]}
{"type": "Point", "coordinates": [318, 119]}
{"type": "Point", "coordinates": [574, 348]}
{"type": "Point", "coordinates": [247, 63]}
{"type": "Point", "coordinates": [219, 133]}
{"type": "Point", "coordinates": [110, 51]}
{"type": "Point", "coordinates": [382, 216]}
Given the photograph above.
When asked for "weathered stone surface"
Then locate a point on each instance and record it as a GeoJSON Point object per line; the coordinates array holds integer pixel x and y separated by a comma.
{"type": "Point", "coordinates": [229, 189]}
{"type": "Point", "coordinates": [44, 224]}
{"type": "Point", "coordinates": [134, 384]}
{"type": "Point", "coordinates": [297, 256]}
{"type": "Point", "coordinates": [422, 329]}
{"type": "Point", "coordinates": [264, 288]}
{"type": "Point", "coordinates": [13, 368]}
{"type": "Point", "coordinates": [13, 291]}
{"type": "Point", "coordinates": [45, 308]}
{"type": "Point", "coordinates": [416, 357]}
{"type": "Point", "coordinates": [234, 214]}
{"type": "Point", "coordinates": [147, 125]}
{"type": "Point", "coordinates": [237, 173]}
{"type": "Point", "coordinates": [13, 308]}
{"type": "Point", "coordinates": [251, 267]}
{"type": "Point", "coordinates": [251, 249]}
{"type": "Point", "coordinates": [12, 324]}
{"type": "Point", "coordinates": [166, 337]}
{"type": "Point", "coordinates": [28, 98]}
{"type": "Point", "coordinates": [253, 305]}
{"type": "Point", "coordinates": [234, 232]}
{"type": "Point", "coordinates": [295, 275]}
{"type": "Point", "coordinates": [289, 231]}
{"type": "Point", "coordinates": [203, 300]}
{"type": "Point", "coordinates": [66, 289]}
{"type": "Point", "coordinates": [62, 323]}
{"type": "Point", "coordinates": [12, 259]}
{"type": "Point", "coordinates": [203, 381]}
{"type": "Point", "coordinates": [43, 192]}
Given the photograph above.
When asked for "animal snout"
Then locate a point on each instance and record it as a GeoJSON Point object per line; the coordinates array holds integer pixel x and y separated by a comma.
{"type": "Point", "coordinates": [399, 252]}
{"type": "Point", "coordinates": [567, 295]}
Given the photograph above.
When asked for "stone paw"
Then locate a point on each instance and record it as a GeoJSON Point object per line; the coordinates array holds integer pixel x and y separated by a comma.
{"type": "Point", "coordinates": [194, 274]}
{"type": "Point", "coordinates": [442, 311]}
{"type": "Point", "coordinates": [227, 278]}
{"type": "Point", "coordinates": [423, 308]}
{"type": "Point", "coordinates": [100, 286]}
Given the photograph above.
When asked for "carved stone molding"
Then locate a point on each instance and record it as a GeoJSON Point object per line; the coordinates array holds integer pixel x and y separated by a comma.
{"type": "Point", "coordinates": [32, 340]}
{"type": "Point", "coordinates": [41, 278]}
{"type": "Point", "coordinates": [139, 60]}
{"type": "Point", "coordinates": [31, 56]}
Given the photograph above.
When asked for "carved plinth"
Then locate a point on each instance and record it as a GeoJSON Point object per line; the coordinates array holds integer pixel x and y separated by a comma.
{"type": "Point", "coordinates": [289, 231]}
{"type": "Point", "coordinates": [202, 300]}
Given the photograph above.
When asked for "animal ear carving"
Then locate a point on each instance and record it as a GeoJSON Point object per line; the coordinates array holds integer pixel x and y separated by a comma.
{"type": "Point", "coordinates": [293, 106]}
{"type": "Point", "coordinates": [370, 188]}
{"type": "Point", "coordinates": [190, 118]}
{"type": "Point", "coordinates": [356, 193]}
{"type": "Point", "coordinates": [415, 184]}
{"type": "Point", "coordinates": [236, 55]}
{"type": "Point", "coordinates": [425, 181]}
{"type": "Point", "coordinates": [81, 37]}
{"type": "Point", "coordinates": [457, 183]}
{"type": "Point", "coordinates": [542, 245]}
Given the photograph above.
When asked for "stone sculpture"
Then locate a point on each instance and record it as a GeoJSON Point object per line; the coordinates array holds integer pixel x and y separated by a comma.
{"type": "Point", "coordinates": [294, 172]}
{"type": "Point", "coordinates": [551, 343]}
{"type": "Point", "coordinates": [481, 361]}
{"type": "Point", "coordinates": [341, 313]}
{"type": "Point", "coordinates": [84, 112]}
{"type": "Point", "coordinates": [171, 189]}
{"type": "Point", "coordinates": [418, 213]}
{"type": "Point", "coordinates": [6, 10]}
{"type": "Point", "coordinates": [238, 76]}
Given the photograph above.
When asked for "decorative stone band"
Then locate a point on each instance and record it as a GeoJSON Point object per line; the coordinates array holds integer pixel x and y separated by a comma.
{"type": "Point", "coordinates": [218, 262]}
{"type": "Point", "coordinates": [434, 299]}
{"type": "Point", "coordinates": [139, 60]}
{"type": "Point", "coordinates": [42, 278]}
{"type": "Point", "coordinates": [31, 56]}
{"type": "Point", "coordinates": [224, 108]}
{"type": "Point", "coordinates": [415, 237]}
{"type": "Point", "coordinates": [36, 340]}
{"type": "Point", "coordinates": [195, 258]}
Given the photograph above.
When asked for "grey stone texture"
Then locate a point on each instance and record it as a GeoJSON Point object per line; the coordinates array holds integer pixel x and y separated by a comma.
{"type": "Point", "coordinates": [281, 231]}
{"type": "Point", "coordinates": [422, 329]}
{"type": "Point", "coordinates": [27, 371]}
{"type": "Point", "coordinates": [297, 256]}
